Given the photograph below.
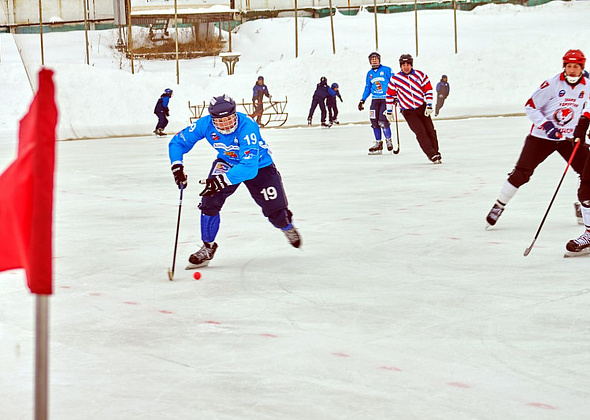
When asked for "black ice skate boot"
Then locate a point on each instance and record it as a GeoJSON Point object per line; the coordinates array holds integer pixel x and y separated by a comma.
{"type": "Point", "coordinates": [436, 159]}
{"type": "Point", "coordinates": [202, 257]}
{"type": "Point", "coordinates": [389, 144]}
{"type": "Point", "coordinates": [578, 210]}
{"type": "Point", "coordinates": [495, 213]}
{"type": "Point", "coordinates": [293, 236]}
{"type": "Point", "coordinates": [579, 245]}
{"type": "Point", "coordinates": [377, 148]}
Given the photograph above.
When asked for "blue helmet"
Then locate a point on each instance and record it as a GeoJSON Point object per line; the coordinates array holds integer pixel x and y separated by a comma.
{"type": "Point", "coordinates": [168, 92]}
{"type": "Point", "coordinates": [334, 86]}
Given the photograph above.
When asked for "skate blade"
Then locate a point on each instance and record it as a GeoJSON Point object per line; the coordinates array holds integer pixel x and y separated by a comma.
{"type": "Point", "coordinates": [571, 254]}
{"type": "Point", "coordinates": [375, 153]}
{"type": "Point", "coordinates": [192, 266]}
{"type": "Point", "coordinates": [170, 275]}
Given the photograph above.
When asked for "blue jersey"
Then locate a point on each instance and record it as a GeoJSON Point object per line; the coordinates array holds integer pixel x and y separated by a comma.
{"type": "Point", "coordinates": [244, 150]}
{"type": "Point", "coordinates": [376, 83]}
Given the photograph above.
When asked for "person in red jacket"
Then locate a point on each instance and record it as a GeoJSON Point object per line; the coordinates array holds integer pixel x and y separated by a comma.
{"type": "Point", "coordinates": [412, 91]}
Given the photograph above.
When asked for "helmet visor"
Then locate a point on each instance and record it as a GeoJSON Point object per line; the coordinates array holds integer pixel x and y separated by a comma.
{"type": "Point", "coordinates": [226, 125]}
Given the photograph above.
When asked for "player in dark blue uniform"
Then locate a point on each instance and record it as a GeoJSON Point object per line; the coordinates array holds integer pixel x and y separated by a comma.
{"type": "Point", "coordinates": [319, 98]}
{"type": "Point", "coordinates": [376, 85]}
{"type": "Point", "coordinates": [162, 112]}
{"type": "Point", "coordinates": [242, 156]}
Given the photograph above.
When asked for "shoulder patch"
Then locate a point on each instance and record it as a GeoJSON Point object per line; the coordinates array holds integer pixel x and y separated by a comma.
{"type": "Point", "coordinates": [544, 85]}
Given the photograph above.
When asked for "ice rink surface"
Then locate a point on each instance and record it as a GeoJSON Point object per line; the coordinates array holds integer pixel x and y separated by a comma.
{"type": "Point", "coordinates": [399, 305]}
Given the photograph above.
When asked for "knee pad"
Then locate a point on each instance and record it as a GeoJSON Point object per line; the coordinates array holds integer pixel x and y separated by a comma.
{"type": "Point", "coordinates": [519, 177]}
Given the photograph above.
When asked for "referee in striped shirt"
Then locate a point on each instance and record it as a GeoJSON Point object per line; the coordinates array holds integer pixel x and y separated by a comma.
{"type": "Point", "coordinates": [410, 89]}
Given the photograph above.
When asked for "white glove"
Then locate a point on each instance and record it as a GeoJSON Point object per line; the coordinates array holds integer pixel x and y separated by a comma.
{"type": "Point", "coordinates": [389, 116]}
{"type": "Point", "coordinates": [428, 110]}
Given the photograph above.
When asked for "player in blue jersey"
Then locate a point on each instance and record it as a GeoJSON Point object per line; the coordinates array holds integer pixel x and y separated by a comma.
{"type": "Point", "coordinates": [242, 156]}
{"type": "Point", "coordinates": [376, 85]}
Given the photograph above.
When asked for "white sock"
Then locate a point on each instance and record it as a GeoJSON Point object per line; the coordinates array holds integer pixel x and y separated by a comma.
{"type": "Point", "coordinates": [586, 216]}
{"type": "Point", "coordinates": [506, 193]}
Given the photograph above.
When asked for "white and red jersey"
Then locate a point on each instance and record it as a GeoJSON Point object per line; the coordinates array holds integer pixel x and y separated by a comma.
{"type": "Point", "coordinates": [560, 103]}
{"type": "Point", "coordinates": [411, 90]}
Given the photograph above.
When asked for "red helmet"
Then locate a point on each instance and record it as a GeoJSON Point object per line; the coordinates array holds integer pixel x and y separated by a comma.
{"type": "Point", "coordinates": [574, 56]}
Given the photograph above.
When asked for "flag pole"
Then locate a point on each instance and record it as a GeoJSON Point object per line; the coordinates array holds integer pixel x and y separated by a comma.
{"type": "Point", "coordinates": [41, 357]}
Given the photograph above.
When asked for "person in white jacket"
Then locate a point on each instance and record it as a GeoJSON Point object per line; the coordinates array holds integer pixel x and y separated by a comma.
{"type": "Point", "coordinates": [554, 108]}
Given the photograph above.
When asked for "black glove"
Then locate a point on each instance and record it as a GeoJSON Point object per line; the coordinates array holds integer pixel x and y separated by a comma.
{"type": "Point", "coordinates": [214, 184]}
{"type": "Point", "coordinates": [341, 100]}
{"type": "Point", "coordinates": [179, 177]}
{"type": "Point", "coordinates": [552, 131]}
{"type": "Point", "coordinates": [581, 129]}
{"type": "Point", "coordinates": [167, 112]}
{"type": "Point", "coordinates": [361, 103]}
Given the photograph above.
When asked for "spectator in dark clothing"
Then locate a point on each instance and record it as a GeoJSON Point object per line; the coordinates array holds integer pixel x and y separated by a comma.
{"type": "Point", "coordinates": [260, 90]}
{"type": "Point", "coordinates": [162, 112]}
{"type": "Point", "coordinates": [319, 98]}
{"type": "Point", "coordinates": [331, 103]}
{"type": "Point", "coordinates": [442, 91]}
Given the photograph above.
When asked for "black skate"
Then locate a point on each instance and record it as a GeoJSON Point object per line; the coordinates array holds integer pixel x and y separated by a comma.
{"type": "Point", "coordinates": [203, 256]}
{"type": "Point", "coordinates": [389, 144]}
{"type": "Point", "coordinates": [494, 213]}
{"type": "Point", "coordinates": [326, 125]}
{"type": "Point", "coordinates": [578, 246]}
{"type": "Point", "coordinates": [436, 159]}
{"type": "Point", "coordinates": [578, 209]}
{"type": "Point", "coordinates": [293, 236]}
{"type": "Point", "coordinates": [309, 121]}
{"type": "Point", "coordinates": [377, 148]}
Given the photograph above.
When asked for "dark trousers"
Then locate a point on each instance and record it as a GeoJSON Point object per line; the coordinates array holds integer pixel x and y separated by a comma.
{"type": "Point", "coordinates": [162, 120]}
{"type": "Point", "coordinates": [423, 128]}
{"type": "Point", "coordinates": [376, 114]}
{"type": "Point", "coordinates": [266, 189]}
{"type": "Point", "coordinates": [332, 111]}
{"type": "Point", "coordinates": [316, 100]}
{"type": "Point", "coordinates": [536, 150]}
{"type": "Point", "coordinates": [440, 101]}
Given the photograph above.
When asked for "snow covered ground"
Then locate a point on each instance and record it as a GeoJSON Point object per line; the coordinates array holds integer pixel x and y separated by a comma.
{"type": "Point", "coordinates": [398, 305]}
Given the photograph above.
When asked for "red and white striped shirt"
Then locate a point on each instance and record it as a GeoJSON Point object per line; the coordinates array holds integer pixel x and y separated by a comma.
{"type": "Point", "coordinates": [411, 90]}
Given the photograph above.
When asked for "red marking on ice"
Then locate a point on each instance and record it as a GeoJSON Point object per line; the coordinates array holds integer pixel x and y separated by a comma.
{"type": "Point", "coordinates": [340, 354]}
{"type": "Point", "coordinates": [541, 405]}
{"type": "Point", "coordinates": [495, 242]}
{"type": "Point", "coordinates": [165, 311]}
{"type": "Point", "coordinates": [213, 322]}
{"type": "Point", "coordinates": [396, 369]}
{"type": "Point", "coordinates": [95, 294]}
{"type": "Point", "coordinates": [458, 384]}
{"type": "Point", "coordinates": [268, 335]}
{"type": "Point", "coordinates": [130, 303]}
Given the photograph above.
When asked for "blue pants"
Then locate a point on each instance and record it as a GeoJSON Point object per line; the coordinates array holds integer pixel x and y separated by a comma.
{"type": "Point", "coordinates": [162, 120]}
{"type": "Point", "coordinates": [266, 189]}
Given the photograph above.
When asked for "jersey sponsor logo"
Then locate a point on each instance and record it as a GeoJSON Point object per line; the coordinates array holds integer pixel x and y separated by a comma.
{"type": "Point", "coordinates": [582, 94]}
{"type": "Point", "coordinates": [231, 154]}
{"type": "Point", "coordinates": [563, 115]}
{"type": "Point", "coordinates": [214, 136]}
{"type": "Point", "coordinates": [561, 93]}
{"type": "Point", "coordinates": [220, 168]}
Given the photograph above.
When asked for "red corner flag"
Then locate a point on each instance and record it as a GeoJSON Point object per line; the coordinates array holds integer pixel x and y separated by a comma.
{"type": "Point", "coordinates": [26, 193]}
